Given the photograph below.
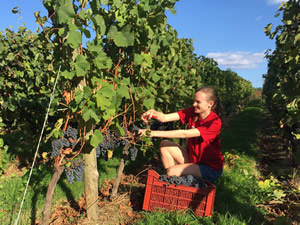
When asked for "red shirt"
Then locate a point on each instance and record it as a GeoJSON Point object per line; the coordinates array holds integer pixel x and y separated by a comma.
{"type": "Point", "coordinates": [205, 149]}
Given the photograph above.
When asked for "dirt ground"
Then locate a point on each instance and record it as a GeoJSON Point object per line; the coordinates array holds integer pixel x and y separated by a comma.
{"type": "Point", "coordinates": [276, 160]}
{"type": "Point", "coordinates": [124, 209]}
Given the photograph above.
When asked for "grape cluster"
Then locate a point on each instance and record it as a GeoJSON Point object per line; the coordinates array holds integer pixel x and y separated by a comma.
{"type": "Point", "coordinates": [134, 127]}
{"type": "Point", "coordinates": [108, 143]}
{"type": "Point", "coordinates": [71, 133]}
{"type": "Point", "coordinates": [161, 126]}
{"type": "Point", "coordinates": [69, 174]}
{"type": "Point", "coordinates": [64, 142]}
{"type": "Point", "coordinates": [76, 168]}
{"type": "Point", "coordinates": [123, 140]}
{"type": "Point", "coordinates": [188, 180]}
{"type": "Point", "coordinates": [133, 153]}
{"type": "Point", "coordinates": [57, 145]}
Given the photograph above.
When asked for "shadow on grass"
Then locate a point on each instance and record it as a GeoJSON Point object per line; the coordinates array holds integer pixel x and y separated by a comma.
{"type": "Point", "coordinates": [235, 205]}
{"type": "Point", "coordinates": [41, 180]}
{"type": "Point", "coordinates": [242, 135]}
{"type": "Point", "coordinates": [236, 190]}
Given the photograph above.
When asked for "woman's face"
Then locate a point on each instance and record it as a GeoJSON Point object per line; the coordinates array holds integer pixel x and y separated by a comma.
{"type": "Point", "coordinates": [201, 103]}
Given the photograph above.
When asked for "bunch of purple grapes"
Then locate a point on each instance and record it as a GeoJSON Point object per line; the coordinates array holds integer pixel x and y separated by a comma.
{"type": "Point", "coordinates": [76, 168]}
{"type": "Point", "coordinates": [64, 142]}
{"type": "Point", "coordinates": [161, 126]}
{"type": "Point", "coordinates": [188, 180]}
{"type": "Point", "coordinates": [134, 127]}
{"type": "Point", "coordinates": [133, 153]}
{"type": "Point", "coordinates": [71, 133]}
{"type": "Point", "coordinates": [108, 143]}
{"type": "Point", "coordinates": [122, 140]}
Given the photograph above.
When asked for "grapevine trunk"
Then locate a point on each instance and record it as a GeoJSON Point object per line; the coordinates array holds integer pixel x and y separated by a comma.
{"type": "Point", "coordinates": [58, 170]}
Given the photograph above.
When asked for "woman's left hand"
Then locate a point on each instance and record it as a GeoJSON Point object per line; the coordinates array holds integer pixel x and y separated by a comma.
{"type": "Point", "coordinates": [142, 132]}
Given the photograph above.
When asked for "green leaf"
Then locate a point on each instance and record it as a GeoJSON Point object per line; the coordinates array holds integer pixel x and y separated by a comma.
{"type": "Point", "coordinates": [15, 10]}
{"type": "Point", "coordinates": [102, 61]}
{"type": "Point", "coordinates": [277, 14]}
{"type": "Point", "coordinates": [124, 38]}
{"type": "Point", "coordinates": [94, 116]}
{"type": "Point", "coordinates": [74, 38]}
{"type": "Point", "coordinates": [109, 112]}
{"type": "Point", "coordinates": [148, 59]}
{"type": "Point", "coordinates": [81, 14]}
{"type": "Point", "coordinates": [86, 32]}
{"type": "Point", "coordinates": [87, 92]}
{"type": "Point", "coordinates": [144, 58]}
{"type": "Point", "coordinates": [138, 59]}
{"type": "Point", "coordinates": [155, 77]}
{"type": "Point", "coordinates": [113, 31]}
{"type": "Point", "coordinates": [297, 38]}
{"type": "Point", "coordinates": [107, 90]}
{"type": "Point", "coordinates": [104, 2]}
{"type": "Point", "coordinates": [99, 23]}
{"type": "Point", "coordinates": [81, 65]}
{"type": "Point", "coordinates": [65, 11]}
{"type": "Point", "coordinates": [118, 3]}
{"type": "Point", "coordinates": [102, 101]}
{"type": "Point", "coordinates": [149, 103]}
{"type": "Point", "coordinates": [121, 130]}
{"type": "Point", "coordinates": [78, 96]}
{"type": "Point", "coordinates": [68, 75]}
{"type": "Point", "coordinates": [268, 28]}
{"type": "Point", "coordinates": [1, 143]}
{"type": "Point", "coordinates": [173, 11]}
{"type": "Point", "coordinates": [123, 91]}
{"type": "Point", "coordinates": [153, 49]}
{"type": "Point", "coordinates": [97, 138]}
{"type": "Point", "coordinates": [86, 114]}
{"type": "Point", "coordinates": [116, 100]}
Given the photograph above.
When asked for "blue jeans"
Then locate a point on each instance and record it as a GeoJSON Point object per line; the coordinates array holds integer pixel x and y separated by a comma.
{"type": "Point", "coordinates": [209, 173]}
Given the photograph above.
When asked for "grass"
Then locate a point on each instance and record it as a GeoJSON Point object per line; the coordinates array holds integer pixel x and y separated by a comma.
{"type": "Point", "coordinates": [172, 218]}
{"type": "Point", "coordinates": [237, 192]}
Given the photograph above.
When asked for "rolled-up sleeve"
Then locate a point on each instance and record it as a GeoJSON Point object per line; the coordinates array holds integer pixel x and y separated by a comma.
{"type": "Point", "coordinates": [185, 114]}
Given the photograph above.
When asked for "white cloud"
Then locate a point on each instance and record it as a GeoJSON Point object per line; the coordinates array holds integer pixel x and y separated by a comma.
{"type": "Point", "coordinates": [237, 60]}
{"type": "Point", "coordinates": [274, 2]}
{"type": "Point", "coordinates": [258, 18]}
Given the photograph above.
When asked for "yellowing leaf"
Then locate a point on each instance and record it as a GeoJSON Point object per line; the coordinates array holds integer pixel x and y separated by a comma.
{"type": "Point", "coordinates": [109, 154]}
{"type": "Point", "coordinates": [44, 155]}
{"type": "Point", "coordinates": [297, 38]}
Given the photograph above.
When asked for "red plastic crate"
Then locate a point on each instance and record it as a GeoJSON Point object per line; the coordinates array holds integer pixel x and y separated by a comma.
{"type": "Point", "coordinates": [158, 195]}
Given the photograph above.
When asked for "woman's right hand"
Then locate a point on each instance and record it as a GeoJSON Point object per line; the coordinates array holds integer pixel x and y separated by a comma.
{"type": "Point", "coordinates": [146, 117]}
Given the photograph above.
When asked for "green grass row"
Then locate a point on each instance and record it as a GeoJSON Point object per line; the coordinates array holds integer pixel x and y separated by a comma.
{"type": "Point", "coordinates": [237, 192]}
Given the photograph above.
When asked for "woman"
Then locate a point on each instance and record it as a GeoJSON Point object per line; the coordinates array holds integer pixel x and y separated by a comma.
{"type": "Point", "coordinates": [203, 157]}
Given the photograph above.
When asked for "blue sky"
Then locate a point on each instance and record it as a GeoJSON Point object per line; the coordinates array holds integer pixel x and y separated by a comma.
{"type": "Point", "coordinates": [231, 32]}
